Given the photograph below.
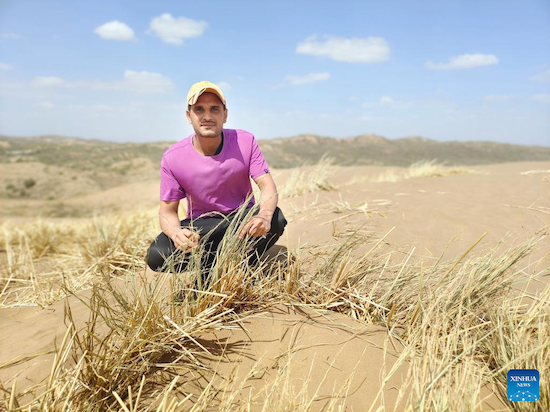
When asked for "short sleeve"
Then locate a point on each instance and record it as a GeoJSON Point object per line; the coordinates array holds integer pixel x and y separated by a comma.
{"type": "Point", "coordinates": [258, 165]}
{"type": "Point", "coordinates": [170, 189]}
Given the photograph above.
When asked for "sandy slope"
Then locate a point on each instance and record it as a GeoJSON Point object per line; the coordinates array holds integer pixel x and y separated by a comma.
{"type": "Point", "coordinates": [320, 353]}
{"type": "Point", "coordinates": [434, 215]}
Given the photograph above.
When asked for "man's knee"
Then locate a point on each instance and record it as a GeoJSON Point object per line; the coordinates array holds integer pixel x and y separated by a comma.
{"type": "Point", "coordinates": [160, 259]}
{"type": "Point", "coordinates": [155, 259]}
{"type": "Point", "coordinates": [278, 222]}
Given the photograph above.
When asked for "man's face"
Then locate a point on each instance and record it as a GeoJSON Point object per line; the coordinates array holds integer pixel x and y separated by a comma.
{"type": "Point", "coordinates": [207, 115]}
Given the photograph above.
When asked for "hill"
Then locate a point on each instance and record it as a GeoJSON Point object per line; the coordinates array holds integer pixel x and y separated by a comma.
{"type": "Point", "coordinates": [386, 293]}
{"type": "Point", "coordinates": [369, 149]}
{"type": "Point", "coordinates": [57, 168]}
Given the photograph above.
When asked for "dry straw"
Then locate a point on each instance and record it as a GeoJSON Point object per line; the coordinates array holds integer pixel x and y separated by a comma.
{"type": "Point", "coordinates": [307, 179]}
{"type": "Point", "coordinates": [422, 168]}
{"type": "Point", "coordinates": [462, 324]}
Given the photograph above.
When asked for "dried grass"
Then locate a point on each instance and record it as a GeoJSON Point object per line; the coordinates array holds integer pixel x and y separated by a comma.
{"type": "Point", "coordinates": [536, 171]}
{"type": "Point", "coordinates": [389, 175]}
{"type": "Point", "coordinates": [431, 168]}
{"type": "Point", "coordinates": [43, 258]}
{"type": "Point", "coordinates": [460, 325]}
{"type": "Point", "coordinates": [423, 168]}
{"type": "Point", "coordinates": [365, 208]}
{"type": "Point", "coordinates": [307, 180]}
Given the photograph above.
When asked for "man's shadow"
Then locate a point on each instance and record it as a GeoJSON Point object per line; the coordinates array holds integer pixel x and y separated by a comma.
{"type": "Point", "coordinates": [276, 260]}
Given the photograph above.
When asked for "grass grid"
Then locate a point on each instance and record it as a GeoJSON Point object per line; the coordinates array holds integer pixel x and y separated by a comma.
{"type": "Point", "coordinates": [462, 324]}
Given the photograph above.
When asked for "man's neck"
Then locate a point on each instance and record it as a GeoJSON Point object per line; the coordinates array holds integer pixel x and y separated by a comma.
{"type": "Point", "coordinates": [207, 146]}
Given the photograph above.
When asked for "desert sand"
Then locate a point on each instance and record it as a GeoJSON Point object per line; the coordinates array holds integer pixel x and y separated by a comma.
{"type": "Point", "coordinates": [328, 358]}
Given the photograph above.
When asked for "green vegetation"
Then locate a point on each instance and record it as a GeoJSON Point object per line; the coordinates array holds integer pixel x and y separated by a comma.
{"type": "Point", "coordinates": [91, 155]}
{"type": "Point", "coordinates": [78, 154]}
{"type": "Point", "coordinates": [377, 150]}
{"type": "Point", "coordinates": [28, 183]}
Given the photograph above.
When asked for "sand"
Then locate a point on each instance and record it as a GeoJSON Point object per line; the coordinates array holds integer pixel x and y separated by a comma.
{"type": "Point", "coordinates": [436, 217]}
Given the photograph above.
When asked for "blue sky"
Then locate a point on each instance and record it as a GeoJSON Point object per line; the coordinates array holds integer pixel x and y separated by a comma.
{"type": "Point", "coordinates": [120, 70]}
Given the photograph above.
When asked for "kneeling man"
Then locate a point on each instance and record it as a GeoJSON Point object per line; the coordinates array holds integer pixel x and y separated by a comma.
{"type": "Point", "coordinates": [212, 169]}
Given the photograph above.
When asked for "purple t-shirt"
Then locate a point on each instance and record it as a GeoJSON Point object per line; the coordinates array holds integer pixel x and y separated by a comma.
{"type": "Point", "coordinates": [212, 183]}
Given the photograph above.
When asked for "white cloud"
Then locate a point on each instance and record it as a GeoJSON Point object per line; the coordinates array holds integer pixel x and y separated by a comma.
{"type": "Point", "coordinates": [541, 77]}
{"type": "Point", "coordinates": [132, 81]}
{"type": "Point", "coordinates": [49, 81]}
{"type": "Point", "coordinates": [308, 78]}
{"type": "Point", "coordinates": [11, 36]}
{"type": "Point", "coordinates": [173, 30]}
{"type": "Point", "coordinates": [224, 85]}
{"type": "Point", "coordinates": [499, 97]}
{"type": "Point", "coordinates": [115, 30]}
{"type": "Point", "coordinates": [45, 105]}
{"type": "Point", "coordinates": [387, 102]}
{"type": "Point", "coordinates": [542, 98]}
{"type": "Point", "coordinates": [464, 61]}
{"type": "Point", "coordinates": [102, 108]}
{"type": "Point", "coordinates": [146, 82]}
{"type": "Point", "coordinates": [353, 50]}
{"type": "Point", "coordinates": [5, 66]}
{"type": "Point", "coordinates": [372, 119]}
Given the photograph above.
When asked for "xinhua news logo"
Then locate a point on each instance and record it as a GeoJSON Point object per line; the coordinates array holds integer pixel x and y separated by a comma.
{"type": "Point", "coordinates": [523, 385]}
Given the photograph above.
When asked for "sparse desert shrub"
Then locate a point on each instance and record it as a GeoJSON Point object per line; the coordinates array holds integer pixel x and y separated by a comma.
{"type": "Point", "coordinates": [423, 168]}
{"type": "Point", "coordinates": [74, 253]}
{"type": "Point", "coordinates": [306, 181]}
{"type": "Point", "coordinates": [430, 168]}
{"type": "Point", "coordinates": [350, 209]}
{"type": "Point", "coordinates": [28, 183]}
{"type": "Point", "coordinates": [531, 172]}
{"type": "Point", "coordinates": [389, 175]}
{"type": "Point", "coordinates": [460, 326]}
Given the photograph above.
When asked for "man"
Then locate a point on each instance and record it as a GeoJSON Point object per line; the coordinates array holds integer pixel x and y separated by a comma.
{"type": "Point", "coordinates": [211, 169]}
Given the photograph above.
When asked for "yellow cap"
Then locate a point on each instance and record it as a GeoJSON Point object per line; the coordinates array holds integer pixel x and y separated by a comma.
{"type": "Point", "coordinates": [201, 87]}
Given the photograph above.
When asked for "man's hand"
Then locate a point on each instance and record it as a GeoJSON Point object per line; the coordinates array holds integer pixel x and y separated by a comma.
{"type": "Point", "coordinates": [186, 240]}
{"type": "Point", "coordinates": [257, 226]}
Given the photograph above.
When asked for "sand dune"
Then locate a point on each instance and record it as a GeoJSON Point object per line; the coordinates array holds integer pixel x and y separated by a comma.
{"type": "Point", "coordinates": [436, 216]}
{"type": "Point", "coordinates": [325, 353]}
{"type": "Point", "coordinates": [318, 354]}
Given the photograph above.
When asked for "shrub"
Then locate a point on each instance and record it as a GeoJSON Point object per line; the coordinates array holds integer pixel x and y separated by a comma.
{"type": "Point", "coordinates": [307, 181]}
{"type": "Point", "coordinates": [28, 183]}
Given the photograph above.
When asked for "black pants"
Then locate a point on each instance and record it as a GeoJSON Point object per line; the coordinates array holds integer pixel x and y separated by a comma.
{"type": "Point", "coordinates": [211, 230]}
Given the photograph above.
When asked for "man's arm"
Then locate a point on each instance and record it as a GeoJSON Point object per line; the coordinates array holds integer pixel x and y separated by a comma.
{"type": "Point", "coordinates": [260, 224]}
{"type": "Point", "coordinates": [169, 222]}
